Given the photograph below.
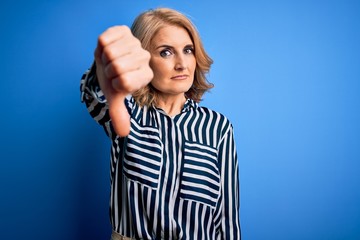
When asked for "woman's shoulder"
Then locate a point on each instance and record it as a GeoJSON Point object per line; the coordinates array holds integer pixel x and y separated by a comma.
{"type": "Point", "coordinates": [215, 116]}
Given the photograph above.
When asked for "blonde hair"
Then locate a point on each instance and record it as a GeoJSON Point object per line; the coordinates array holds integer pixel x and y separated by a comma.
{"type": "Point", "coordinates": [145, 26]}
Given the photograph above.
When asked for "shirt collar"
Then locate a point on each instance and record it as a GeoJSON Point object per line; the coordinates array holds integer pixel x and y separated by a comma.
{"type": "Point", "coordinates": [189, 104]}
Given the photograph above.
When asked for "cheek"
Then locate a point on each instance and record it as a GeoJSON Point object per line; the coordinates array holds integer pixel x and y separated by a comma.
{"type": "Point", "coordinates": [158, 68]}
{"type": "Point", "coordinates": [159, 77]}
{"type": "Point", "coordinates": [193, 64]}
{"type": "Point", "coordinates": [157, 74]}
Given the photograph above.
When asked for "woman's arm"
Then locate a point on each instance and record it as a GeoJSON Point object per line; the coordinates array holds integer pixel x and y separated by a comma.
{"type": "Point", "coordinates": [121, 67]}
{"type": "Point", "coordinates": [94, 99]}
{"type": "Point", "coordinates": [229, 206]}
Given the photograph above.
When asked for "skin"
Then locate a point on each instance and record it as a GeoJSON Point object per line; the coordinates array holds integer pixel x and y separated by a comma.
{"type": "Point", "coordinates": [123, 67]}
{"type": "Point", "coordinates": [173, 63]}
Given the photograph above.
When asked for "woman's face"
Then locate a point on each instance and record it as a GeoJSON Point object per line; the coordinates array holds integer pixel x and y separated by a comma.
{"type": "Point", "coordinates": [172, 61]}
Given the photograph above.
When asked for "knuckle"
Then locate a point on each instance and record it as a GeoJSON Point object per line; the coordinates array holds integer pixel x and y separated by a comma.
{"type": "Point", "coordinates": [108, 53]}
{"type": "Point", "coordinates": [134, 45]}
{"type": "Point", "coordinates": [119, 67]}
{"type": "Point", "coordinates": [127, 30]}
{"type": "Point", "coordinates": [147, 55]}
{"type": "Point", "coordinates": [127, 83]}
{"type": "Point", "coordinates": [137, 42]}
{"type": "Point", "coordinates": [101, 40]}
{"type": "Point", "coordinates": [124, 28]}
{"type": "Point", "coordinates": [150, 74]}
{"type": "Point", "coordinates": [114, 29]}
{"type": "Point", "coordinates": [108, 71]}
{"type": "Point", "coordinates": [143, 57]}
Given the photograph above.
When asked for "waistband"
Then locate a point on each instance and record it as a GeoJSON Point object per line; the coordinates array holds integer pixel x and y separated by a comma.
{"type": "Point", "coordinates": [117, 236]}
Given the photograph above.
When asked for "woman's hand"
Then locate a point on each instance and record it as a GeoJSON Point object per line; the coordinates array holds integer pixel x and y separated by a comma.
{"type": "Point", "coordinates": [122, 67]}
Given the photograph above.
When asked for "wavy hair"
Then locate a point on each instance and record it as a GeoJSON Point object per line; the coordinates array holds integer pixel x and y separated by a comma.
{"type": "Point", "coordinates": [146, 26]}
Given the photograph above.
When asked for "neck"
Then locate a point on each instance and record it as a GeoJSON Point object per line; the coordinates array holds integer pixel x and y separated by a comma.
{"type": "Point", "coordinates": [172, 105]}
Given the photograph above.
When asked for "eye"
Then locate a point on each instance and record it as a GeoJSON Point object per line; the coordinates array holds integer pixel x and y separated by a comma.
{"type": "Point", "coordinates": [165, 53]}
{"type": "Point", "coordinates": [189, 50]}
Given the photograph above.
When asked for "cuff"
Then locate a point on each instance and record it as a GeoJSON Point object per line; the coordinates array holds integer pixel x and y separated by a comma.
{"type": "Point", "coordinates": [89, 86]}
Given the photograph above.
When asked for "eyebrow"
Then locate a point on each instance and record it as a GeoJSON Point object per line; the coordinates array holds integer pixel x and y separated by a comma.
{"type": "Point", "coordinates": [171, 47]}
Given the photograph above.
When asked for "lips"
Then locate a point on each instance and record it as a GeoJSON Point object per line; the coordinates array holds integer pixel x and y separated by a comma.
{"type": "Point", "coordinates": [180, 77]}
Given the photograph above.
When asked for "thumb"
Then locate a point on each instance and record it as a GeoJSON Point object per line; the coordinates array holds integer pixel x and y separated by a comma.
{"type": "Point", "coordinates": [119, 116]}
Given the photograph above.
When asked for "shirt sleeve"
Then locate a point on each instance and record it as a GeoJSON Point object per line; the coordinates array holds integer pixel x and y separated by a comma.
{"type": "Point", "coordinates": [229, 205]}
{"type": "Point", "coordinates": [94, 99]}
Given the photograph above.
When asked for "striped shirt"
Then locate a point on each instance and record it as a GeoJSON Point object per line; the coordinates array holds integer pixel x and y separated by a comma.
{"type": "Point", "coordinates": [171, 177]}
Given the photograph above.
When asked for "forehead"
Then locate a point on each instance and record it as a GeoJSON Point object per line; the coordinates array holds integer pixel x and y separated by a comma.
{"type": "Point", "coordinates": [171, 35]}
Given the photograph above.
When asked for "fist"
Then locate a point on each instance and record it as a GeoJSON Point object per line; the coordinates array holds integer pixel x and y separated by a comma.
{"type": "Point", "coordinates": [122, 67]}
{"type": "Point", "coordinates": [122, 64]}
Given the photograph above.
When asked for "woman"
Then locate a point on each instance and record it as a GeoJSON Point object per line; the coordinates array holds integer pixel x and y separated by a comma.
{"type": "Point", "coordinates": [174, 168]}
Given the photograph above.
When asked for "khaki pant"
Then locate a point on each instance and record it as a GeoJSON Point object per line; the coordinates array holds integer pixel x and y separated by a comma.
{"type": "Point", "coordinates": [116, 236]}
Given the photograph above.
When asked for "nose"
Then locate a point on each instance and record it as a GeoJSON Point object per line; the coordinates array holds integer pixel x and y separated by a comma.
{"type": "Point", "coordinates": [180, 62]}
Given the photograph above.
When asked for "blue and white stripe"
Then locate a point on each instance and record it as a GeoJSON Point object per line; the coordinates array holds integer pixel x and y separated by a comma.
{"type": "Point", "coordinates": [172, 177]}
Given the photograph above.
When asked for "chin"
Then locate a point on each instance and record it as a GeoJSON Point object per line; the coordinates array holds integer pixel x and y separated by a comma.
{"type": "Point", "coordinates": [174, 89]}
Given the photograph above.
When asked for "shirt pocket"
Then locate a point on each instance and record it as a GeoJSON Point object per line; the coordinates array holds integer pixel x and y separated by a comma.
{"type": "Point", "coordinates": [142, 159]}
{"type": "Point", "coordinates": [200, 180]}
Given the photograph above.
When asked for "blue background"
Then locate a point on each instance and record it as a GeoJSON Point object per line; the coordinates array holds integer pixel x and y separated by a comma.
{"type": "Point", "coordinates": [287, 74]}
